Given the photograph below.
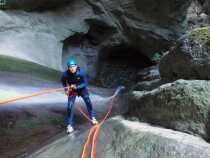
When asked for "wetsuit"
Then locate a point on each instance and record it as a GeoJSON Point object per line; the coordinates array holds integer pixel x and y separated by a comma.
{"type": "Point", "coordinates": [80, 80]}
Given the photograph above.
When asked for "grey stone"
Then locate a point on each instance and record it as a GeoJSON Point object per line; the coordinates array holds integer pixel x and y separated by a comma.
{"type": "Point", "coordinates": [37, 36]}
{"type": "Point", "coordinates": [147, 85]}
{"type": "Point", "coordinates": [32, 5]}
{"type": "Point", "coordinates": [121, 138]}
{"type": "Point", "coordinates": [189, 58]}
{"type": "Point", "coordinates": [181, 105]}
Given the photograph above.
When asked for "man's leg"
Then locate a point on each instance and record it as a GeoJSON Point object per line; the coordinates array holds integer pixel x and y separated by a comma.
{"type": "Point", "coordinates": [85, 96]}
{"type": "Point", "coordinates": [70, 110]}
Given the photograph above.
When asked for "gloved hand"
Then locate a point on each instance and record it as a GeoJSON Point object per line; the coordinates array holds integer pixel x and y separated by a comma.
{"type": "Point", "coordinates": [69, 89]}
{"type": "Point", "coordinates": [73, 86]}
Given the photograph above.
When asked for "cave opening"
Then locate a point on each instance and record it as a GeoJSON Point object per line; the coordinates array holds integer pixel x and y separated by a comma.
{"type": "Point", "coordinates": [106, 65]}
{"type": "Point", "coordinates": [84, 46]}
{"type": "Point", "coordinates": [119, 65]}
{"type": "Point", "coordinates": [79, 47]}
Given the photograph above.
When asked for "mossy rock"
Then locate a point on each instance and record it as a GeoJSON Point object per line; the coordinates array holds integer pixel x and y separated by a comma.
{"type": "Point", "coordinates": [190, 57]}
{"type": "Point", "coordinates": [11, 64]}
{"type": "Point", "coordinates": [200, 34]}
{"type": "Point", "coordinates": [182, 105]}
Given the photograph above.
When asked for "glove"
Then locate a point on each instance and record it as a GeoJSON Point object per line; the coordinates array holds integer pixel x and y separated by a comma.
{"type": "Point", "coordinates": [73, 86]}
{"type": "Point", "coordinates": [69, 89]}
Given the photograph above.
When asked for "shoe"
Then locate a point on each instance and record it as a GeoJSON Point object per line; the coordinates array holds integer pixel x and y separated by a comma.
{"type": "Point", "coordinates": [94, 121]}
{"type": "Point", "coordinates": [69, 129]}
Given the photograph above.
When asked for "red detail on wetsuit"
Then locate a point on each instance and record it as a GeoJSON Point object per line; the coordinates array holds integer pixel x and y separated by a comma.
{"type": "Point", "coordinates": [73, 93]}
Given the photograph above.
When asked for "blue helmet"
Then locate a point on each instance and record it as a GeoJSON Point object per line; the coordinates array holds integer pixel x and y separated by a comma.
{"type": "Point", "coordinates": [71, 62]}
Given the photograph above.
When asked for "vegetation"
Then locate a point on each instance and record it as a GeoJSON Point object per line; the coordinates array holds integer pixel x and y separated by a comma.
{"type": "Point", "coordinates": [56, 120]}
{"type": "Point", "coordinates": [156, 57]}
{"type": "Point", "coordinates": [11, 64]}
{"type": "Point", "coordinates": [200, 34]}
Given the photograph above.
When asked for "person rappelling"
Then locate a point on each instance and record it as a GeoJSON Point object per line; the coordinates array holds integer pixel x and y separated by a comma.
{"type": "Point", "coordinates": [74, 80]}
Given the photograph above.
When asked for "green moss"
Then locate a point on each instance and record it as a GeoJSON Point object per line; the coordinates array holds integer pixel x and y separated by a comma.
{"type": "Point", "coordinates": [32, 123]}
{"type": "Point", "coordinates": [5, 131]}
{"type": "Point", "coordinates": [56, 120]}
{"type": "Point", "coordinates": [29, 124]}
{"type": "Point", "coordinates": [11, 64]}
{"type": "Point", "coordinates": [156, 57]}
{"type": "Point", "coordinates": [201, 34]}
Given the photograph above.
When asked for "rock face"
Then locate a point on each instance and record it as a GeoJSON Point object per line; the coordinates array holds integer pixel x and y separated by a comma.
{"type": "Point", "coordinates": [121, 138]}
{"type": "Point", "coordinates": [147, 85]}
{"type": "Point", "coordinates": [197, 15]}
{"type": "Point", "coordinates": [116, 42]}
{"type": "Point", "coordinates": [142, 20]}
{"type": "Point", "coordinates": [37, 36]}
{"type": "Point", "coordinates": [91, 30]}
{"type": "Point", "coordinates": [29, 122]}
{"type": "Point", "coordinates": [190, 58]}
{"type": "Point", "coordinates": [149, 78]}
{"type": "Point", "coordinates": [31, 5]}
{"type": "Point", "coordinates": [137, 27]}
{"type": "Point", "coordinates": [206, 5]}
{"type": "Point", "coordinates": [181, 105]}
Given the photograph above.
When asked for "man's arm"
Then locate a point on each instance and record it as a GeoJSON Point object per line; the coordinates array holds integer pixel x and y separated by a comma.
{"type": "Point", "coordinates": [84, 83]}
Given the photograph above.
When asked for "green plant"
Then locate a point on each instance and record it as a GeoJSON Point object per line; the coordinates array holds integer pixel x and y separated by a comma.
{"type": "Point", "coordinates": [29, 124]}
{"type": "Point", "coordinates": [156, 57]}
{"type": "Point", "coordinates": [56, 120]}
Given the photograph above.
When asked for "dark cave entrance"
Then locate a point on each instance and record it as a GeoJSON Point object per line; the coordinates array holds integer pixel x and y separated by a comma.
{"type": "Point", "coordinates": [120, 64]}
{"type": "Point", "coordinates": [85, 46]}
{"type": "Point", "coordinates": [106, 65]}
{"type": "Point", "coordinates": [79, 47]}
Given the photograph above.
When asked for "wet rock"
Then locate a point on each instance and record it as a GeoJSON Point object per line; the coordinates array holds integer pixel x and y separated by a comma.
{"type": "Point", "coordinates": [149, 73]}
{"type": "Point", "coordinates": [148, 79]}
{"type": "Point", "coordinates": [206, 5]}
{"type": "Point", "coordinates": [147, 85]}
{"type": "Point", "coordinates": [144, 24]}
{"type": "Point", "coordinates": [38, 36]}
{"type": "Point", "coordinates": [181, 105]}
{"type": "Point", "coordinates": [32, 5]}
{"type": "Point", "coordinates": [189, 59]}
{"type": "Point", "coordinates": [121, 138]}
{"type": "Point", "coordinates": [196, 15]}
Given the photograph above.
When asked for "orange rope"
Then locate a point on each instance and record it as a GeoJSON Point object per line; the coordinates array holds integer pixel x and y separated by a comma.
{"type": "Point", "coordinates": [95, 132]}
{"type": "Point", "coordinates": [95, 137]}
{"type": "Point", "coordinates": [43, 92]}
{"type": "Point", "coordinates": [83, 113]}
{"type": "Point", "coordinates": [84, 150]}
{"type": "Point", "coordinates": [5, 101]}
